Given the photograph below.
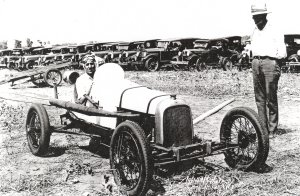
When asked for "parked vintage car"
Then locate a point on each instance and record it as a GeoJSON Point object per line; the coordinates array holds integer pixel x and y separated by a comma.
{"type": "Point", "coordinates": [128, 49]}
{"type": "Point", "coordinates": [108, 51]}
{"type": "Point", "coordinates": [31, 57]}
{"type": "Point", "coordinates": [213, 53]}
{"type": "Point", "coordinates": [4, 55]}
{"type": "Point", "coordinates": [14, 61]}
{"type": "Point", "coordinates": [152, 59]}
{"type": "Point", "coordinates": [145, 128]}
{"type": "Point", "coordinates": [292, 42]}
{"type": "Point", "coordinates": [134, 50]}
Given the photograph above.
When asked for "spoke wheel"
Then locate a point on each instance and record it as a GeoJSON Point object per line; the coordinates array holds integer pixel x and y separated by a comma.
{"type": "Point", "coordinates": [200, 65]}
{"type": "Point", "coordinates": [37, 130]}
{"type": "Point", "coordinates": [192, 66]}
{"type": "Point", "coordinates": [52, 76]}
{"type": "Point", "coordinates": [241, 127]}
{"type": "Point", "coordinates": [152, 64]}
{"type": "Point", "coordinates": [129, 157]}
{"type": "Point", "coordinates": [228, 65]}
{"type": "Point", "coordinates": [176, 67]}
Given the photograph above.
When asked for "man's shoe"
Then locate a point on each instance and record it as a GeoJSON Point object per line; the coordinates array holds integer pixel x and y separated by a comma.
{"type": "Point", "coordinates": [271, 135]}
{"type": "Point", "coordinates": [264, 168]}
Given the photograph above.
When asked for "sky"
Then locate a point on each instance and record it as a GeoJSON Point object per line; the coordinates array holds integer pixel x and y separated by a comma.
{"type": "Point", "coordinates": [79, 21]}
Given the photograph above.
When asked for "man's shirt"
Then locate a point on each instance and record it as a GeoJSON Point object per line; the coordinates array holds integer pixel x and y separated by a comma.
{"type": "Point", "coordinates": [83, 86]}
{"type": "Point", "coordinates": [268, 42]}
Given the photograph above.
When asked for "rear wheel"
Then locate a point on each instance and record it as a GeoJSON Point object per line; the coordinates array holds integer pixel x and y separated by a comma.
{"type": "Point", "coordinates": [129, 158]}
{"type": "Point", "coordinates": [52, 76]}
{"type": "Point", "coordinates": [38, 130]}
{"type": "Point", "coordinates": [176, 67]}
{"type": "Point", "coordinates": [241, 128]}
{"type": "Point", "coordinates": [152, 64]}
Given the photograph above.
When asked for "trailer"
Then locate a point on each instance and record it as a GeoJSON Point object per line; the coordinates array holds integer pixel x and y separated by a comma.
{"type": "Point", "coordinates": [43, 76]}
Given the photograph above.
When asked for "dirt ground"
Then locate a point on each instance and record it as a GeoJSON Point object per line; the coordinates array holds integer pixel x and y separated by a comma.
{"type": "Point", "coordinates": [71, 168]}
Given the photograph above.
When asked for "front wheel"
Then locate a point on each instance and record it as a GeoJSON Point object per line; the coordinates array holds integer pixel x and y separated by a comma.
{"type": "Point", "coordinates": [37, 130]}
{"type": "Point", "coordinates": [242, 131]}
{"type": "Point", "coordinates": [152, 64]}
{"type": "Point", "coordinates": [227, 64]}
{"type": "Point", "coordinates": [52, 76]}
{"type": "Point", "coordinates": [201, 65]}
{"type": "Point", "coordinates": [130, 158]}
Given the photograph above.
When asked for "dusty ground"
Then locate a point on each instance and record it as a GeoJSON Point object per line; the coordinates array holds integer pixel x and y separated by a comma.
{"type": "Point", "coordinates": [65, 171]}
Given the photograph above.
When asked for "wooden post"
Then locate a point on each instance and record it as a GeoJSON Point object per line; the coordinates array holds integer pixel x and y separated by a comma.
{"type": "Point", "coordinates": [212, 111]}
{"type": "Point", "coordinates": [55, 90]}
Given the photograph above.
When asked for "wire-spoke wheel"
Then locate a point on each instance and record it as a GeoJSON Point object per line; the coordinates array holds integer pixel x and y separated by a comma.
{"type": "Point", "coordinates": [129, 157]}
{"type": "Point", "coordinates": [52, 76]}
{"type": "Point", "coordinates": [152, 64]}
{"type": "Point", "coordinates": [242, 130]}
{"type": "Point", "coordinates": [37, 130]}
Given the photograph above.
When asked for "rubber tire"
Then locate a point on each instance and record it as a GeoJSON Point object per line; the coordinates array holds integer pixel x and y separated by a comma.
{"type": "Point", "coordinates": [176, 67]}
{"type": "Point", "coordinates": [148, 62]}
{"type": "Point", "coordinates": [144, 150]}
{"type": "Point", "coordinates": [227, 64]}
{"type": "Point", "coordinates": [29, 65]}
{"type": "Point", "coordinates": [200, 65]}
{"type": "Point", "coordinates": [52, 70]}
{"type": "Point", "coordinates": [42, 149]}
{"type": "Point", "coordinates": [262, 137]}
{"type": "Point", "coordinates": [192, 66]}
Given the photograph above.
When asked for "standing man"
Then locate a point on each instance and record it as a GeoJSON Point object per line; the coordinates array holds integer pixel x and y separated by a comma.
{"type": "Point", "coordinates": [268, 50]}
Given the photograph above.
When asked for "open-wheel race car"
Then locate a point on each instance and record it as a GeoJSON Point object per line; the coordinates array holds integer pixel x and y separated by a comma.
{"type": "Point", "coordinates": [146, 128]}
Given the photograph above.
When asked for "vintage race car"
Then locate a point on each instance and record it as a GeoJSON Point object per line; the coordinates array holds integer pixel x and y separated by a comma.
{"type": "Point", "coordinates": [145, 128]}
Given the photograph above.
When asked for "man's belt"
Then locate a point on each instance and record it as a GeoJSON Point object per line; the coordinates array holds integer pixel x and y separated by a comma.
{"type": "Point", "coordinates": [264, 57]}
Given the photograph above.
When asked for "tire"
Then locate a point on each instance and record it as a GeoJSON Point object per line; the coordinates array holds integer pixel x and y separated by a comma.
{"type": "Point", "coordinates": [38, 80]}
{"type": "Point", "coordinates": [133, 157]}
{"type": "Point", "coordinates": [200, 65]}
{"type": "Point", "coordinates": [227, 64]}
{"type": "Point", "coordinates": [176, 67]}
{"type": "Point", "coordinates": [37, 130]}
{"type": "Point", "coordinates": [152, 64]}
{"type": "Point", "coordinates": [252, 130]}
{"type": "Point", "coordinates": [29, 65]}
{"type": "Point", "coordinates": [52, 76]}
{"type": "Point", "coordinates": [192, 66]}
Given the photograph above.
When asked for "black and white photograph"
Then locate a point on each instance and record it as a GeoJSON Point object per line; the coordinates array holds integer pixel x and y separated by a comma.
{"type": "Point", "coordinates": [149, 98]}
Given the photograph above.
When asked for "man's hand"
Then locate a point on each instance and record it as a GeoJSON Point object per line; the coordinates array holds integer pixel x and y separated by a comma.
{"type": "Point", "coordinates": [80, 100]}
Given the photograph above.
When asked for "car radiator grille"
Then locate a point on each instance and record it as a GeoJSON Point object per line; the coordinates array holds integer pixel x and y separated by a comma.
{"type": "Point", "coordinates": [177, 125]}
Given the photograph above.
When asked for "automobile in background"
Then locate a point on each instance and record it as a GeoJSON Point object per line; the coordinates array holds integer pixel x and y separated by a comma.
{"type": "Point", "coordinates": [152, 59]}
{"type": "Point", "coordinates": [214, 53]}
{"type": "Point", "coordinates": [4, 55]}
{"type": "Point", "coordinates": [134, 50]}
{"type": "Point", "coordinates": [292, 42]}
{"type": "Point", "coordinates": [14, 61]}
{"type": "Point", "coordinates": [31, 57]}
{"type": "Point", "coordinates": [107, 51]}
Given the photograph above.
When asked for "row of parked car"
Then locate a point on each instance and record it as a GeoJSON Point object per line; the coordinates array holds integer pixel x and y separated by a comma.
{"type": "Point", "coordinates": [181, 54]}
{"type": "Point", "coordinates": [151, 55]}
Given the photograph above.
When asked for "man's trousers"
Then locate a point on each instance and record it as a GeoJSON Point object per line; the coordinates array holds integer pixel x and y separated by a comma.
{"type": "Point", "coordinates": [266, 74]}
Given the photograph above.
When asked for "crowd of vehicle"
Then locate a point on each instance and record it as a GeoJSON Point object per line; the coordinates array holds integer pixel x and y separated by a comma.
{"type": "Point", "coordinates": [180, 54]}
